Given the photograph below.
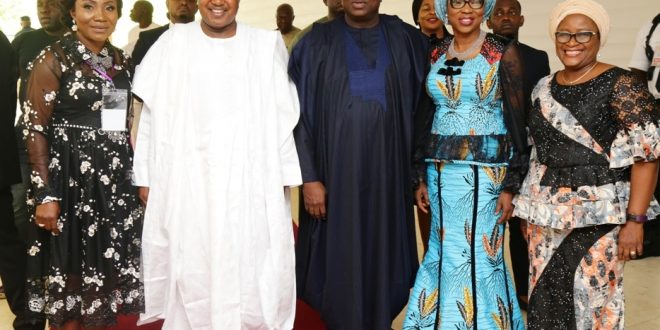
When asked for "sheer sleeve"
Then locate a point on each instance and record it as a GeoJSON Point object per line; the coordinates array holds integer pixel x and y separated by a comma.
{"type": "Point", "coordinates": [515, 116]}
{"type": "Point", "coordinates": [41, 96]}
{"type": "Point", "coordinates": [423, 121]}
{"type": "Point", "coordinates": [638, 115]}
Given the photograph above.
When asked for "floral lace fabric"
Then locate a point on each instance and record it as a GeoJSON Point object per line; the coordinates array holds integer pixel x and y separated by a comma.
{"type": "Point", "coordinates": [91, 271]}
{"type": "Point", "coordinates": [584, 146]}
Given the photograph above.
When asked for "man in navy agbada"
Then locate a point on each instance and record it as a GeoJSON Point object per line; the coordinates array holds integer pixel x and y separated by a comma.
{"type": "Point", "coordinates": [359, 79]}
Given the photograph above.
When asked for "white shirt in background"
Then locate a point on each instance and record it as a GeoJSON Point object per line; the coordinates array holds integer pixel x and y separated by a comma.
{"type": "Point", "coordinates": [639, 60]}
{"type": "Point", "coordinates": [133, 36]}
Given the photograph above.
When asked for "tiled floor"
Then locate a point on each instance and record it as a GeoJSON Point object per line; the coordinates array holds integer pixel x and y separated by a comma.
{"type": "Point", "coordinates": [642, 283]}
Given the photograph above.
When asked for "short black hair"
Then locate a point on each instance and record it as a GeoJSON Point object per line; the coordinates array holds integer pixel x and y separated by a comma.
{"type": "Point", "coordinates": [416, 5]}
{"type": "Point", "coordinates": [71, 3]}
{"type": "Point", "coordinates": [25, 18]}
{"type": "Point", "coordinates": [146, 4]}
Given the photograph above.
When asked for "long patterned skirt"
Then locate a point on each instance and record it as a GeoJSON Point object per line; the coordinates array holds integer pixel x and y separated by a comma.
{"type": "Point", "coordinates": [91, 271]}
{"type": "Point", "coordinates": [576, 278]}
{"type": "Point", "coordinates": [463, 272]}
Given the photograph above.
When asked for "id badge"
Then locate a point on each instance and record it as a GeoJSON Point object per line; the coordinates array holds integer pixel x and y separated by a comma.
{"type": "Point", "coordinates": [656, 57]}
{"type": "Point", "coordinates": [115, 107]}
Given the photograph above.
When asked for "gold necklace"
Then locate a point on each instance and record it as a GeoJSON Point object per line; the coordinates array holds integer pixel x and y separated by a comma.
{"type": "Point", "coordinates": [563, 76]}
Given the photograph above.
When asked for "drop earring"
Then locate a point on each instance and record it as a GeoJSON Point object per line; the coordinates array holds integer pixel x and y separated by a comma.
{"type": "Point", "coordinates": [74, 28]}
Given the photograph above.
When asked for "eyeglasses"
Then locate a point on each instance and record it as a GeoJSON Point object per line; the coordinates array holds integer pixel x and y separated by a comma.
{"type": "Point", "coordinates": [474, 4]}
{"type": "Point", "coordinates": [581, 37]}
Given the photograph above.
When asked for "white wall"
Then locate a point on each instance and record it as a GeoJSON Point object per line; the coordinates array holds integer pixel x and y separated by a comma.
{"type": "Point", "coordinates": [627, 17]}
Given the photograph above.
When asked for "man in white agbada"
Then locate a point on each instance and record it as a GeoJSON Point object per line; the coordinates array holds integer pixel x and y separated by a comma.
{"type": "Point", "coordinates": [214, 151]}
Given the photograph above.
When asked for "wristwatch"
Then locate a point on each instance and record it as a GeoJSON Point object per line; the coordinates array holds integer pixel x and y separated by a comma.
{"type": "Point", "coordinates": [637, 218]}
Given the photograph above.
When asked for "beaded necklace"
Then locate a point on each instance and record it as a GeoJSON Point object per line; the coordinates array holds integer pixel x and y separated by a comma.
{"type": "Point", "coordinates": [452, 52]}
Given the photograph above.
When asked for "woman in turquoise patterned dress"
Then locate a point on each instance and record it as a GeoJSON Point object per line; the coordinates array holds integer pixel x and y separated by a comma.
{"type": "Point", "coordinates": [470, 162]}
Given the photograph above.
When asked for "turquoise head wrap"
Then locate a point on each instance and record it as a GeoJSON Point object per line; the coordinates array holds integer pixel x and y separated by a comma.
{"type": "Point", "coordinates": [441, 8]}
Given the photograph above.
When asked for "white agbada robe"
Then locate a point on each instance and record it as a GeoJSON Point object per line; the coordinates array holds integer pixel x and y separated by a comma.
{"type": "Point", "coordinates": [216, 148]}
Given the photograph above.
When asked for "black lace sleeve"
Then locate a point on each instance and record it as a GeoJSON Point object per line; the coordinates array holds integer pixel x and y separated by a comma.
{"type": "Point", "coordinates": [515, 116]}
{"type": "Point", "coordinates": [40, 98]}
{"type": "Point", "coordinates": [638, 118]}
{"type": "Point", "coordinates": [423, 121]}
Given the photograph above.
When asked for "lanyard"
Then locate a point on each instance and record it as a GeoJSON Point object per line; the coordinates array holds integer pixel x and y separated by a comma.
{"type": "Point", "coordinates": [101, 72]}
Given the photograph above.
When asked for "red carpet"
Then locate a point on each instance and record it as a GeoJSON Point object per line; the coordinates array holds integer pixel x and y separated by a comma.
{"type": "Point", "coordinates": [128, 322]}
{"type": "Point", "coordinates": [307, 318]}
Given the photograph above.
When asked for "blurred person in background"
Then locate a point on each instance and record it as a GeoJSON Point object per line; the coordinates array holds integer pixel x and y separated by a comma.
{"type": "Point", "coordinates": [424, 15]}
{"type": "Point", "coordinates": [284, 17]}
{"type": "Point", "coordinates": [645, 63]}
{"type": "Point", "coordinates": [142, 13]}
{"type": "Point", "coordinates": [26, 26]}
{"type": "Point", "coordinates": [335, 9]}
{"type": "Point", "coordinates": [178, 12]}
{"type": "Point", "coordinates": [12, 244]}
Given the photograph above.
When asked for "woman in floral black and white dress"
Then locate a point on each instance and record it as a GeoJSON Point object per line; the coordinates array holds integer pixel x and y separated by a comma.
{"type": "Point", "coordinates": [84, 253]}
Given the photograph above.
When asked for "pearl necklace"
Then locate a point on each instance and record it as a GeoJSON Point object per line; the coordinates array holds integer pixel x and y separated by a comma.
{"type": "Point", "coordinates": [563, 75]}
{"type": "Point", "coordinates": [452, 52]}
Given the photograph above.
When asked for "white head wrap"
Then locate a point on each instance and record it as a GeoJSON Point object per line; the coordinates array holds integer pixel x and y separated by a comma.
{"type": "Point", "coordinates": [589, 8]}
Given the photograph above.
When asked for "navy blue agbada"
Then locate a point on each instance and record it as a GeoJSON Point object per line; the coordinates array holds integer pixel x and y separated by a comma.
{"type": "Point", "coordinates": [358, 91]}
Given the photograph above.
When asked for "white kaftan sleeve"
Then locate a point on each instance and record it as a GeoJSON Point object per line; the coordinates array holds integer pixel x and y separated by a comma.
{"type": "Point", "coordinates": [288, 109]}
{"type": "Point", "coordinates": [142, 149]}
{"type": "Point", "coordinates": [147, 82]}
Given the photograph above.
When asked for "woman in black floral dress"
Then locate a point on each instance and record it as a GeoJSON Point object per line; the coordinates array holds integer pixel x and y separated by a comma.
{"type": "Point", "coordinates": [84, 253]}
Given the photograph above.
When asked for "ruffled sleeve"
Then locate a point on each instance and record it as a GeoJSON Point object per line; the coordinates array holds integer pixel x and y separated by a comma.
{"type": "Point", "coordinates": [638, 138]}
{"type": "Point", "coordinates": [515, 116]}
{"type": "Point", "coordinates": [41, 96]}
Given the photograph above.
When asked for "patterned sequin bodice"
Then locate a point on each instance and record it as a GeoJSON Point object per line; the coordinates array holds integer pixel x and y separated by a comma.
{"type": "Point", "coordinates": [79, 98]}
{"type": "Point", "coordinates": [468, 125]}
{"type": "Point", "coordinates": [571, 162]}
